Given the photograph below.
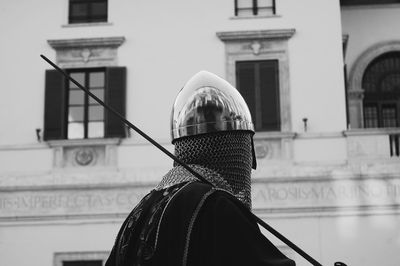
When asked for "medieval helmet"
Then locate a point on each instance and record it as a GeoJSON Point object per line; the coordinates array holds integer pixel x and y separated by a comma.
{"type": "Point", "coordinates": [213, 133]}
{"type": "Point", "coordinates": [206, 104]}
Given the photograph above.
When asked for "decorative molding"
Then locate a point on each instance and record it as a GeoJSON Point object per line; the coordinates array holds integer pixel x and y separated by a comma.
{"type": "Point", "coordinates": [86, 52]}
{"type": "Point", "coordinates": [255, 35]}
{"type": "Point", "coordinates": [85, 156]}
{"type": "Point", "coordinates": [86, 42]}
{"type": "Point", "coordinates": [84, 152]}
{"type": "Point", "coordinates": [83, 142]}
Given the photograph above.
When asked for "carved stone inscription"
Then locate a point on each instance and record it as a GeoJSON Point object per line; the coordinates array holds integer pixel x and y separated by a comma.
{"type": "Point", "coordinates": [67, 202]}
{"type": "Point", "coordinates": [341, 193]}
{"type": "Point", "coordinates": [275, 196]}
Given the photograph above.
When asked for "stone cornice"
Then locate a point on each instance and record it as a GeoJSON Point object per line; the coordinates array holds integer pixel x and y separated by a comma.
{"type": "Point", "coordinates": [83, 142]}
{"type": "Point", "coordinates": [371, 131]}
{"type": "Point", "coordinates": [86, 42]}
{"type": "Point", "coordinates": [255, 35]}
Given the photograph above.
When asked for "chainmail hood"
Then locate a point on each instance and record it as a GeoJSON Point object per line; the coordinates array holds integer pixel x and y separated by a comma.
{"type": "Point", "coordinates": [223, 158]}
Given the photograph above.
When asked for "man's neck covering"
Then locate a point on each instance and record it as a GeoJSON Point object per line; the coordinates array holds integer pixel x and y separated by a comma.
{"type": "Point", "coordinates": [223, 158]}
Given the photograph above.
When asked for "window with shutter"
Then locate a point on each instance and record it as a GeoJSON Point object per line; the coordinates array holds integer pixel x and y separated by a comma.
{"type": "Point", "coordinates": [258, 83]}
{"type": "Point", "coordinates": [72, 114]}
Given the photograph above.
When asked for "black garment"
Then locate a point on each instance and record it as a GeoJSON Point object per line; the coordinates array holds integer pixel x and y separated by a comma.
{"type": "Point", "coordinates": [192, 224]}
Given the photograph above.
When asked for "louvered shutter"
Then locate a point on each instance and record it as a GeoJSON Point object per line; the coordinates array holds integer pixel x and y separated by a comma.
{"type": "Point", "coordinates": [245, 83]}
{"type": "Point", "coordinates": [269, 95]}
{"type": "Point", "coordinates": [54, 106]}
{"type": "Point", "coordinates": [115, 98]}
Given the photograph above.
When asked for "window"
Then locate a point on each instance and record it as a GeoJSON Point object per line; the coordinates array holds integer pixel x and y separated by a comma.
{"type": "Point", "coordinates": [254, 7]}
{"type": "Point", "coordinates": [258, 82]}
{"type": "Point", "coordinates": [367, 2]}
{"type": "Point", "coordinates": [83, 263]}
{"type": "Point", "coordinates": [71, 114]}
{"type": "Point", "coordinates": [93, 258]}
{"type": "Point", "coordinates": [85, 115]}
{"type": "Point", "coordinates": [381, 83]}
{"type": "Point", "coordinates": [87, 11]}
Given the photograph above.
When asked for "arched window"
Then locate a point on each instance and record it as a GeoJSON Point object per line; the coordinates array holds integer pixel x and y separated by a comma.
{"type": "Point", "coordinates": [381, 85]}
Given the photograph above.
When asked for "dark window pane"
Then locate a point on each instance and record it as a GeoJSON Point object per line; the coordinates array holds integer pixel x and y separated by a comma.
{"type": "Point", "coordinates": [75, 113]}
{"type": "Point", "coordinates": [99, 9]}
{"type": "Point", "coordinates": [96, 80]}
{"type": "Point", "coordinates": [96, 113]}
{"type": "Point", "coordinates": [371, 116]}
{"type": "Point", "coordinates": [389, 115]}
{"type": "Point", "coordinates": [79, 9]}
{"type": "Point", "coordinates": [76, 97]}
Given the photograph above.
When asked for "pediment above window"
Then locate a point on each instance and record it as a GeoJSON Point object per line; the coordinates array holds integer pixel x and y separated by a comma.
{"type": "Point", "coordinates": [86, 52]}
{"type": "Point", "coordinates": [256, 35]}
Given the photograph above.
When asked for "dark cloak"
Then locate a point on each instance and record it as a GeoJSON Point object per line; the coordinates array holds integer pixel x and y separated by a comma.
{"type": "Point", "coordinates": [192, 223]}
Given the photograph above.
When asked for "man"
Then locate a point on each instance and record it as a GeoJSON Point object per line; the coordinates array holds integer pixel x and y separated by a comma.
{"type": "Point", "coordinates": [184, 221]}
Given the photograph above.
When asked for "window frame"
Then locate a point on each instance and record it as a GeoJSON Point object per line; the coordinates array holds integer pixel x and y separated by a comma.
{"type": "Point", "coordinates": [255, 8]}
{"type": "Point", "coordinates": [86, 104]}
{"type": "Point", "coordinates": [376, 93]}
{"type": "Point", "coordinates": [367, 2]}
{"type": "Point", "coordinates": [88, 17]}
{"type": "Point", "coordinates": [258, 46]}
{"type": "Point", "coordinates": [56, 112]}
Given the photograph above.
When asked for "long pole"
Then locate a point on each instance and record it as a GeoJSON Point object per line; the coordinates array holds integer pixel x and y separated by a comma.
{"type": "Point", "coordinates": [176, 159]}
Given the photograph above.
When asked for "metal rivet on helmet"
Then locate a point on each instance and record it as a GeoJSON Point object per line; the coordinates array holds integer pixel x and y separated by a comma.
{"type": "Point", "coordinates": [208, 103]}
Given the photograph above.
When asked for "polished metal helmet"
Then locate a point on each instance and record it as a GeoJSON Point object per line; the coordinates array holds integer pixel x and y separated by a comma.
{"type": "Point", "coordinates": [207, 104]}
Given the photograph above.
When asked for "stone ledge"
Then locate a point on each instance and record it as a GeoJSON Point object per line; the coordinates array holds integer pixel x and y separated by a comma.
{"type": "Point", "coordinates": [83, 142]}
{"type": "Point", "coordinates": [86, 42]}
{"type": "Point", "coordinates": [255, 35]}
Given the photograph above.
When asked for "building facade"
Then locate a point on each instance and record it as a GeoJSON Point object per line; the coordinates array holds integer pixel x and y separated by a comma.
{"type": "Point", "coordinates": [321, 78]}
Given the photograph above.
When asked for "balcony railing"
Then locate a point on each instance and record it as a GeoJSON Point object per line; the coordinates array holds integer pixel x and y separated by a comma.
{"type": "Point", "coordinates": [373, 143]}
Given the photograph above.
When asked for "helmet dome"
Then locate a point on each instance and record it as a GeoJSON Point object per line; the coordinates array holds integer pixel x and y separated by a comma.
{"type": "Point", "coordinates": [206, 104]}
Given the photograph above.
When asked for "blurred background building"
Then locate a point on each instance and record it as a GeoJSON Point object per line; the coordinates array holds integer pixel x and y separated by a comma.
{"type": "Point", "coordinates": [321, 77]}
